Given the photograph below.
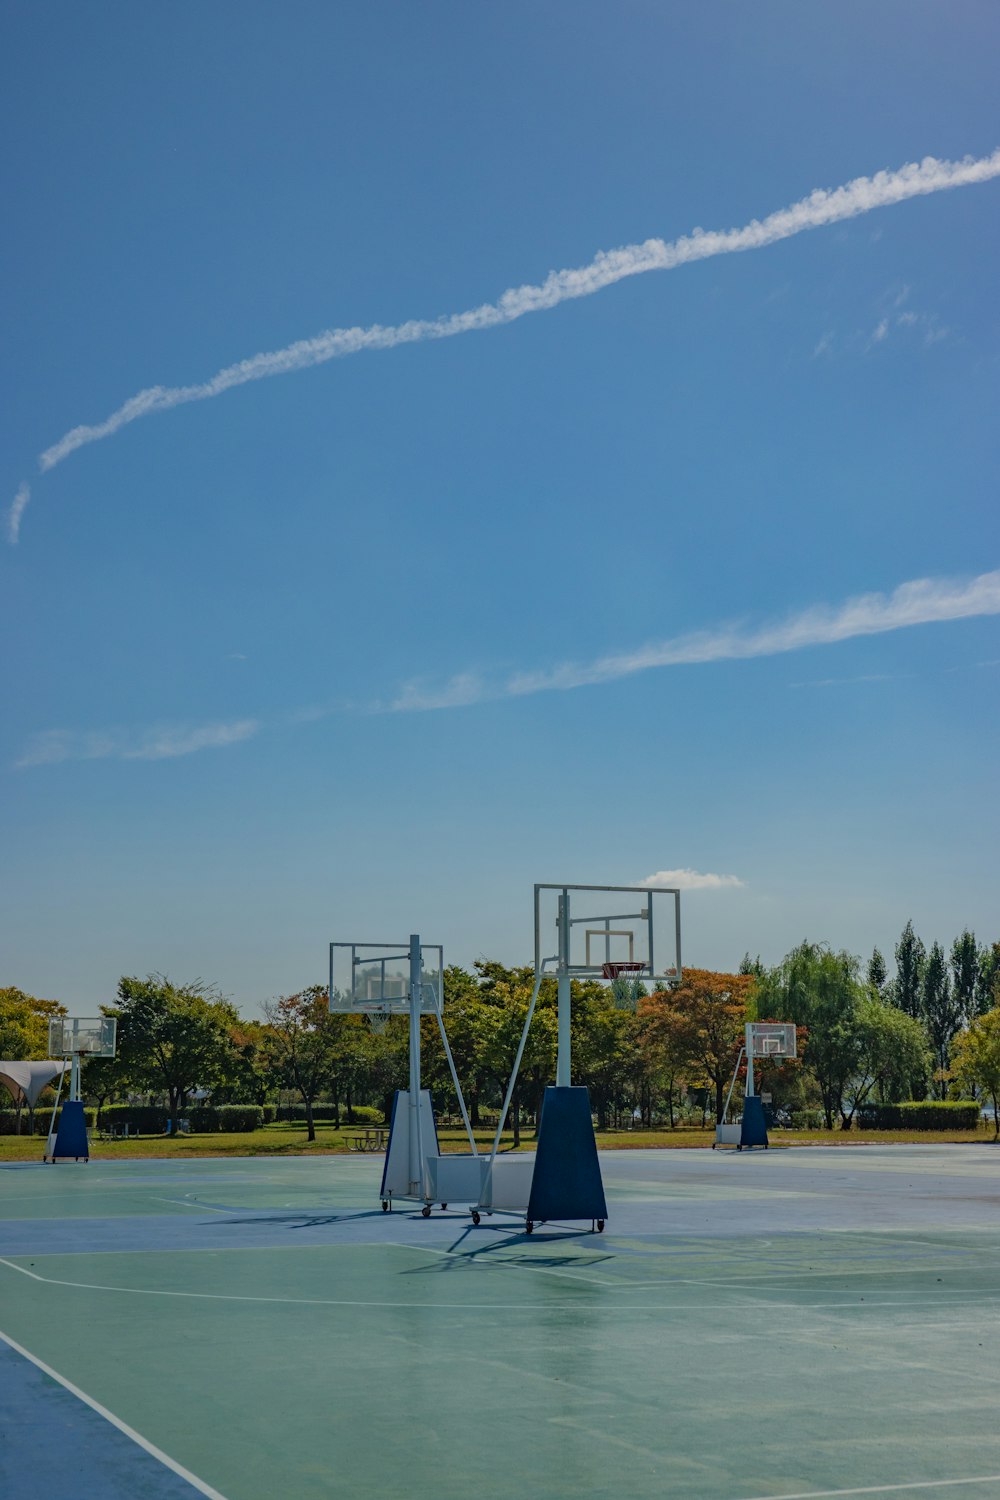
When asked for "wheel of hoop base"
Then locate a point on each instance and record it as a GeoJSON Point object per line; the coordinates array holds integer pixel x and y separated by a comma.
{"type": "Point", "coordinates": [425, 1212]}
{"type": "Point", "coordinates": [529, 1227]}
{"type": "Point", "coordinates": [385, 1205]}
{"type": "Point", "coordinates": [600, 1226]}
{"type": "Point", "coordinates": [475, 1217]}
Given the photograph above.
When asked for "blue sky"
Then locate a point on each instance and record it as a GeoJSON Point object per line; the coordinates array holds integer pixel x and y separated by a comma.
{"type": "Point", "coordinates": [315, 657]}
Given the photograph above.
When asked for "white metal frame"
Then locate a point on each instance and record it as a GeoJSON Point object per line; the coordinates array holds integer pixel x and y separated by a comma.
{"type": "Point", "coordinates": [423, 997]}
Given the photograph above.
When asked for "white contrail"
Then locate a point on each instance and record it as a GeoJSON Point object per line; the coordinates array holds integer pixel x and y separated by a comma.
{"type": "Point", "coordinates": [15, 513]}
{"type": "Point", "coordinates": [159, 742]}
{"type": "Point", "coordinates": [820, 207]}
{"type": "Point", "coordinates": [922, 601]}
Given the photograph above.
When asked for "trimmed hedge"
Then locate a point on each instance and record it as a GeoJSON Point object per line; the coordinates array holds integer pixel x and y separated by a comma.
{"type": "Point", "coordinates": [323, 1114]}
{"type": "Point", "coordinates": [43, 1114]}
{"type": "Point", "coordinates": [239, 1117]}
{"type": "Point", "coordinates": [925, 1114]}
{"type": "Point", "coordinates": [144, 1119]}
{"type": "Point", "coordinates": [807, 1119]}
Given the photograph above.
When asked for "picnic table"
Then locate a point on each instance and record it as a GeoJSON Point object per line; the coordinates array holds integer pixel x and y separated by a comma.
{"type": "Point", "coordinates": [368, 1140]}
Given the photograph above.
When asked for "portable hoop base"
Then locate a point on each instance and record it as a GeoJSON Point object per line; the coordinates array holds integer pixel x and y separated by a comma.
{"type": "Point", "coordinates": [754, 1128]}
{"type": "Point", "coordinates": [566, 1183]}
{"type": "Point", "coordinates": [71, 1137]}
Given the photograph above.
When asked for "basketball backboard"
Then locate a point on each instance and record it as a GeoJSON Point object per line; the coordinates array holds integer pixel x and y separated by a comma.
{"type": "Point", "coordinates": [85, 1038]}
{"type": "Point", "coordinates": [374, 978]}
{"type": "Point", "coordinates": [581, 929]}
{"type": "Point", "coordinates": [770, 1039]}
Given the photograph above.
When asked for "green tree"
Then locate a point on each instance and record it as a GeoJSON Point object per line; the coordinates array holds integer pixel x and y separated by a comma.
{"type": "Point", "coordinates": [24, 1024]}
{"type": "Point", "coordinates": [988, 980]}
{"type": "Point", "coordinates": [247, 1077]}
{"type": "Point", "coordinates": [171, 1038]}
{"type": "Point", "coordinates": [820, 990]}
{"type": "Point", "coordinates": [965, 961]}
{"type": "Point", "coordinates": [877, 973]}
{"type": "Point", "coordinates": [893, 1058]}
{"type": "Point", "coordinates": [301, 1041]}
{"type": "Point", "coordinates": [506, 994]}
{"type": "Point", "coordinates": [975, 1060]}
{"type": "Point", "coordinates": [907, 990]}
{"type": "Point", "coordinates": [942, 1012]}
{"type": "Point", "coordinates": [604, 1047]}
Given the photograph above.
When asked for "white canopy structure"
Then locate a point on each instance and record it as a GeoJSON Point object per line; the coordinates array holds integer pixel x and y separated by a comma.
{"type": "Point", "coordinates": [26, 1080]}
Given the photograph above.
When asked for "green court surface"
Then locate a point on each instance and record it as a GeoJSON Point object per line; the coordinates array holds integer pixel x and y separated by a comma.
{"type": "Point", "coordinates": [791, 1323]}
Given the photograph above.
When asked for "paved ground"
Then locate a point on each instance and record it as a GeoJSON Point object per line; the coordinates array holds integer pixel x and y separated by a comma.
{"type": "Point", "coordinates": [803, 1322]}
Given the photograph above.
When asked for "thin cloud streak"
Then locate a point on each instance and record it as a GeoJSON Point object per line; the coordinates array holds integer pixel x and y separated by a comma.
{"type": "Point", "coordinates": [922, 601]}
{"type": "Point", "coordinates": [160, 742]}
{"type": "Point", "coordinates": [691, 880]}
{"type": "Point", "coordinates": [820, 207]}
{"type": "Point", "coordinates": [17, 509]}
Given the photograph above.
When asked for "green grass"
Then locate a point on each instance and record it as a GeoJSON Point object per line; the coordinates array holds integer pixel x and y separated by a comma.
{"type": "Point", "coordinates": [289, 1139]}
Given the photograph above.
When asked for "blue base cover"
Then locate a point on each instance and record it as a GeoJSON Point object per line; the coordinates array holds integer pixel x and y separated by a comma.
{"type": "Point", "coordinates": [754, 1132]}
{"type": "Point", "coordinates": [71, 1136]}
{"type": "Point", "coordinates": [566, 1183]}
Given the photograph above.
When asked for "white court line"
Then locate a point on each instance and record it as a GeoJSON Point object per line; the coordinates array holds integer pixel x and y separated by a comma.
{"type": "Point", "coordinates": [102, 1411]}
{"type": "Point", "coordinates": [883, 1489]}
{"type": "Point", "coordinates": [729, 1309]}
{"type": "Point", "coordinates": [198, 1207]}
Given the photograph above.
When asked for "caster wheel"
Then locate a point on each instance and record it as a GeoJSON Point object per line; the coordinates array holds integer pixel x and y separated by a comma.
{"type": "Point", "coordinates": [475, 1217]}
{"type": "Point", "coordinates": [529, 1227]}
{"type": "Point", "coordinates": [739, 1148]}
{"type": "Point", "coordinates": [385, 1205]}
{"type": "Point", "coordinates": [444, 1205]}
{"type": "Point", "coordinates": [600, 1226]}
{"type": "Point", "coordinates": [425, 1212]}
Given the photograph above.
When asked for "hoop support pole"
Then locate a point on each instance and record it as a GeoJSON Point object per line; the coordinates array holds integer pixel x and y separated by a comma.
{"type": "Point", "coordinates": [458, 1086]}
{"type": "Point", "coordinates": [517, 1064]}
{"type": "Point", "coordinates": [416, 1172]}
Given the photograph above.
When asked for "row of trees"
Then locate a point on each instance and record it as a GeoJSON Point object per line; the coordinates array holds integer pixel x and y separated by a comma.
{"type": "Point", "coordinates": [863, 1037]}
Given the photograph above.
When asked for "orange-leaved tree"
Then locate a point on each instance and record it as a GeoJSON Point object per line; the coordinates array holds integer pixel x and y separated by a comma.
{"type": "Point", "coordinates": [700, 1025]}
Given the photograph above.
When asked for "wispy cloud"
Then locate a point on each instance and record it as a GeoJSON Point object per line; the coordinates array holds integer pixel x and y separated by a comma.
{"type": "Point", "coordinates": [159, 742]}
{"type": "Point", "coordinates": [922, 601]}
{"type": "Point", "coordinates": [820, 207]}
{"type": "Point", "coordinates": [825, 682]}
{"type": "Point", "coordinates": [691, 880]}
{"type": "Point", "coordinates": [16, 511]}
{"type": "Point", "coordinates": [924, 323]}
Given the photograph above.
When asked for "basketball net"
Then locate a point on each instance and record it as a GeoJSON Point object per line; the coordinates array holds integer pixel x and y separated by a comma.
{"type": "Point", "coordinates": [625, 983]}
{"type": "Point", "coordinates": [378, 1020]}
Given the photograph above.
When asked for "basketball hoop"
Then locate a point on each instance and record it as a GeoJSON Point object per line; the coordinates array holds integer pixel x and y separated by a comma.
{"type": "Point", "coordinates": [625, 984]}
{"type": "Point", "coordinates": [378, 1020]}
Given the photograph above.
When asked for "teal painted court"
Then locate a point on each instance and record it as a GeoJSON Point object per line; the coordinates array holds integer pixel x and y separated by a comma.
{"type": "Point", "coordinates": [796, 1322]}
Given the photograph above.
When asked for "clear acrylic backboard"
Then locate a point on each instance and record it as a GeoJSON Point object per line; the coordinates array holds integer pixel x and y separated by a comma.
{"type": "Point", "coordinates": [582, 928]}
{"type": "Point", "coordinates": [770, 1039]}
{"type": "Point", "coordinates": [374, 978]}
{"type": "Point", "coordinates": [69, 1035]}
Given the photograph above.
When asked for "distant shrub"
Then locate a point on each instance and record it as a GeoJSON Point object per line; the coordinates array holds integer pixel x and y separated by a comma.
{"type": "Point", "coordinates": [43, 1115]}
{"type": "Point", "coordinates": [924, 1114]}
{"type": "Point", "coordinates": [324, 1114]}
{"type": "Point", "coordinates": [944, 1114]}
{"type": "Point", "coordinates": [143, 1119]}
{"type": "Point", "coordinates": [238, 1117]}
{"type": "Point", "coordinates": [807, 1119]}
{"type": "Point", "coordinates": [267, 1111]}
{"type": "Point", "coordinates": [363, 1114]}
